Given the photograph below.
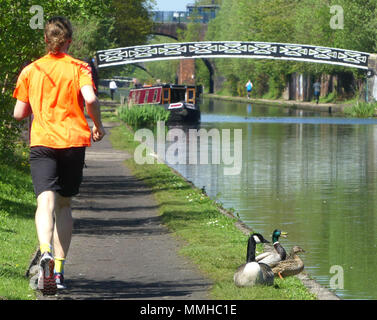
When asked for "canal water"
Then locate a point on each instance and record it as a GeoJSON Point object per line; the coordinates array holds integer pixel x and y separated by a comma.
{"type": "Point", "coordinates": [311, 175]}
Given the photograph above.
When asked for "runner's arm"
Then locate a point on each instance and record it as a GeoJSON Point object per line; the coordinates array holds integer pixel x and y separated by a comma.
{"type": "Point", "coordinates": [94, 111]}
{"type": "Point", "coordinates": [21, 110]}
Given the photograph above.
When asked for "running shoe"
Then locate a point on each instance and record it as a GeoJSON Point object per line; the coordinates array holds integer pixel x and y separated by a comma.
{"type": "Point", "coordinates": [59, 279]}
{"type": "Point", "coordinates": [46, 279]}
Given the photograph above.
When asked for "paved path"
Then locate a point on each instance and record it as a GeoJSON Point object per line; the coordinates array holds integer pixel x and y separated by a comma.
{"type": "Point", "coordinates": [120, 249]}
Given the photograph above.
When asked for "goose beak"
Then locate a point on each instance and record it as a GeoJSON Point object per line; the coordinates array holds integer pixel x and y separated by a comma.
{"type": "Point", "coordinates": [265, 241]}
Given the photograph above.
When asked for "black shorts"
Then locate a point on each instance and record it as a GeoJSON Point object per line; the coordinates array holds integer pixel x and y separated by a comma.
{"type": "Point", "coordinates": [59, 170]}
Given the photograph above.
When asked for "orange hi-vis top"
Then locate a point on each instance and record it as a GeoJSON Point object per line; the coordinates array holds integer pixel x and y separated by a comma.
{"type": "Point", "coordinates": [51, 85]}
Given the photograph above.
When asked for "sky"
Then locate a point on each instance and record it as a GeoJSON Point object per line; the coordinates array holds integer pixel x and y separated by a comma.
{"type": "Point", "coordinates": [172, 5]}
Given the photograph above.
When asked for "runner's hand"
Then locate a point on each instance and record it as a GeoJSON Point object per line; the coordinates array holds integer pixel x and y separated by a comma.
{"type": "Point", "coordinates": [98, 133]}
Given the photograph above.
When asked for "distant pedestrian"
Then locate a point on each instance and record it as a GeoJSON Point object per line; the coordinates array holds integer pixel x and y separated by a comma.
{"type": "Point", "coordinates": [136, 83]}
{"type": "Point", "coordinates": [317, 90]}
{"type": "Point", "coordinates": [249, 88]}
{"type": "Point", "coordinates": [113, 87]}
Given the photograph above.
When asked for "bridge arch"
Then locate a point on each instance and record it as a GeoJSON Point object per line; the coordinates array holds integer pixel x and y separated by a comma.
{"type": "Point", "coordinates": [239, 49]}
{"type": "Point", "coordinates": [169, 30]}
{"type": "Point", "coordinates": [232, 49]}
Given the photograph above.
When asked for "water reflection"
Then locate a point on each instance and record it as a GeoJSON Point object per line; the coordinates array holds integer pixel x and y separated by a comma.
{"type": "Point", "coordinates": [316, 180]}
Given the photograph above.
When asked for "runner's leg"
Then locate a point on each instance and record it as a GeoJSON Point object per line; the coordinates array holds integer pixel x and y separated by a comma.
{"type": "Point", "coordinates": [44, 220]}
{"type": "Point", "coordinates": [63, 226]}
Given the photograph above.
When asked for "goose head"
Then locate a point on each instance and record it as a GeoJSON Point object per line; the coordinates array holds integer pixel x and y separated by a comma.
{"type": "Point", "coordinates": [253, 240]}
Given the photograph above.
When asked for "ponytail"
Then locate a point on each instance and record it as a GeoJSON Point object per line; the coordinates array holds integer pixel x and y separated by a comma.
{"type": "Point", "coordinates": [57, 31]}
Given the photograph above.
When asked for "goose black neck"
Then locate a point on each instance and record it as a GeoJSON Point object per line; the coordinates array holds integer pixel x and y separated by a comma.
{"type": "Point", "coordinates": [250, 250]}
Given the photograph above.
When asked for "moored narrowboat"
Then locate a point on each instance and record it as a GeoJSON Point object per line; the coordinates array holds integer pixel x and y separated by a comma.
{"type": "Point", "coordinates": [182, 101]}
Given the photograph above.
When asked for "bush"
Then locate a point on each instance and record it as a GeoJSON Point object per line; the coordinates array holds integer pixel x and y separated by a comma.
{"type": "Point", "coordinates": [361, 110]}
{"type": "Point", "coordinates": [144, 116]}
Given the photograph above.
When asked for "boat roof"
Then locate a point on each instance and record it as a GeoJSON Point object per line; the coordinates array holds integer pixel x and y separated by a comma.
{"type": "Point", "coordinates": [167, 85]}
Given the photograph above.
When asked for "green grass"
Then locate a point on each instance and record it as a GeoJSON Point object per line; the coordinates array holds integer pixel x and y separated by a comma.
{"type": "Point", "coordinates": [210, 239]}
{"type": "Point", "coordinates": [330, 98]}
{"type": "Point", "coordinates": [17, 229]}
{"type": "Point", "coordinates": [109, 116]}
{"type": "Point", "coordinates": [361, 110]}
{"type": "Point", "coordinates": [143, 116]}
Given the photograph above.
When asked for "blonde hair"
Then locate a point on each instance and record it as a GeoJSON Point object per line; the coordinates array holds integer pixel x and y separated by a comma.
{"type": "Point", "coordinates": [57, 31]}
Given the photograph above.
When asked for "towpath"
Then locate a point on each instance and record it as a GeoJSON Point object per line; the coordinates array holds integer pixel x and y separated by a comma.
{"type": "Point", "coordinates": [120, 249]}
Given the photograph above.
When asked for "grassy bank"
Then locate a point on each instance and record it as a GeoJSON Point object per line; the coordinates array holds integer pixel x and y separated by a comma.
{"type": "Point", "coordinates": [210, 238]}
{"type": "Point", "coordinates": [18, 238]}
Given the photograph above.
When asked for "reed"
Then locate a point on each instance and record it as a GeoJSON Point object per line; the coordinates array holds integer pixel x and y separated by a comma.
{"type": "Point", "coordinates": [361, 110]}
{"type": "Point", "coordinates": [143, 116]}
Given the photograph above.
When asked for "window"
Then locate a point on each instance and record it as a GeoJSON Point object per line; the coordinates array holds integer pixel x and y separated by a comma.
{"type": "Point", "coordinates": [191, 95]}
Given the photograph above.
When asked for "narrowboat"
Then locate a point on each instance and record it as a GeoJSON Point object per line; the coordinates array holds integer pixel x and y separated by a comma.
{"type": "Point", "coordinates": [181, 100]}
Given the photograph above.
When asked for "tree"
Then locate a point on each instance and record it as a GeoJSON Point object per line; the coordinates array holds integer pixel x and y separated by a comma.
{"type": "Point", "coordinates": [91, 35]}
{"type": "Point", "coordinates": [133, 22]}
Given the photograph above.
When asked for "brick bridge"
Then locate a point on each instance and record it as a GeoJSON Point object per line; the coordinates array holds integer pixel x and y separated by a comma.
{"type": "Point", "coordinates": [186, 70]}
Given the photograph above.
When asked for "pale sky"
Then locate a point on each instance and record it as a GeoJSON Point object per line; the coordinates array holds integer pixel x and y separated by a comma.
{"type": "Point", "coordinates": [172, 5]}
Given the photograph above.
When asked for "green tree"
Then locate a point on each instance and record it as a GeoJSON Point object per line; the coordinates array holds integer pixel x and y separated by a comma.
{"type": "Point", "coordinates": [133, 22]}
{"type": "Point", "coordinates": [90, 35]}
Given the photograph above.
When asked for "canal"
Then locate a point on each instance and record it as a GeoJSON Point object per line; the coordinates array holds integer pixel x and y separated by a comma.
{"type": "Point", "coordinates": [311, 175]}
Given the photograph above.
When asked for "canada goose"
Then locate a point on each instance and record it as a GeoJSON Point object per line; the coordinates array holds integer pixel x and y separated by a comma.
{"type": "Point", "coordinates": [291, 266]}
{"type": "Point", "coordinates": [277, 254]}
{"type": "Point", "coordinates": [252, 272]}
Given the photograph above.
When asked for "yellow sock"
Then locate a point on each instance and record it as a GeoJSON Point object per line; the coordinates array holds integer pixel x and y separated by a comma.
{"type": "Point", "coordinates": [45, 247]}
{"type": "Point", "coordinates": [59, 265]}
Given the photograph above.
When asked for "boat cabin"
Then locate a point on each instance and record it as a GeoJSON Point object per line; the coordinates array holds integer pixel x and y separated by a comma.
{"type": "Point", "coordinates": [164, 94]}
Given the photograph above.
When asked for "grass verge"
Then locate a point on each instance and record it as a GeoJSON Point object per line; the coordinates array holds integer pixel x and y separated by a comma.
{"type": "Point", "coordinates": [18, 238]}
{"type": "Point", "coordinates": [211, 239]}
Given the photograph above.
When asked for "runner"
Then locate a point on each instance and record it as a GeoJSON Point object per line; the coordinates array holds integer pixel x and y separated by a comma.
{"type": "Point", "coordinates": [317, 90]}
{"type": "Point", "coordinates": [249, 87]}
{"type": "Point", "coordinates": [54, 88]}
